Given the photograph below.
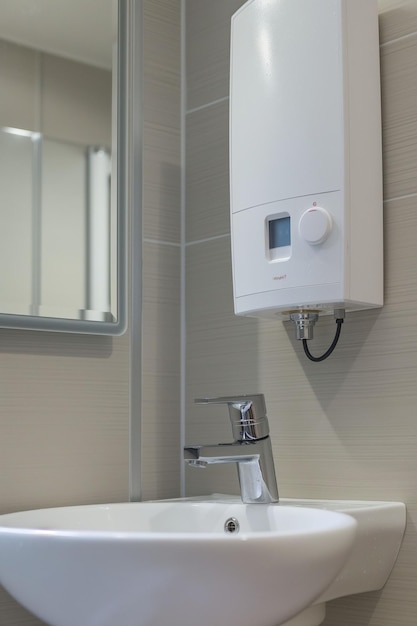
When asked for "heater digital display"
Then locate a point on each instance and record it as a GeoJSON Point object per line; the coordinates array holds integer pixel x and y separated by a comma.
{"type": "Point", "coordinates": [279, 232]}
{"type": "Point", "coordinates": [278, 237]}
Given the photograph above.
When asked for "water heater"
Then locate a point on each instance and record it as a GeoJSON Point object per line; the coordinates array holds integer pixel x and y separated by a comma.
{"type": "Point", "coordinates": [305, 157]}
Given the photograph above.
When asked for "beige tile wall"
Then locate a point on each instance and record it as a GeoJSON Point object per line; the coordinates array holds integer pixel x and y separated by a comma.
{"type": "Point", "coordinates": [64, 414]}
{"type": "Point", "coordinates": [345, 428]}
{"type": "Point", "coordinates": [64, 425]}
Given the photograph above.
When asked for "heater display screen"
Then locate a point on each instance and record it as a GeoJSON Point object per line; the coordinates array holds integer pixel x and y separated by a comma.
{"type": "Point", "coordinates": [279, 232]}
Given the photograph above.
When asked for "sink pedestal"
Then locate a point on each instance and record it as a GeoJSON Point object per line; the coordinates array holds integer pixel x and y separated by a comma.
{"type": "Point", "coordinates": [313, 616]}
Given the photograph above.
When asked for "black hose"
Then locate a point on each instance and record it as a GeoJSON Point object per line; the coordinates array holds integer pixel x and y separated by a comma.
{"type": "Point", "coordinates": [328, 352]}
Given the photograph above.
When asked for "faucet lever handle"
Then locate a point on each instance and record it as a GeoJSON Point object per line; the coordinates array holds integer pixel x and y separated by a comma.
{"type": "Point", "coordinates": [247, 415]}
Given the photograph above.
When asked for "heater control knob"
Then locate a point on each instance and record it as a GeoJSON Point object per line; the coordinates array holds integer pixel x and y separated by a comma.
{"type": "Point", "coordinates": [315, 225]}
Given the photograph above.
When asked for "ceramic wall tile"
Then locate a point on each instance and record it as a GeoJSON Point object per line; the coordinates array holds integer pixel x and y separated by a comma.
{"type": "Point", "coordinates": [162, 107]}
{"type": "Point", "coordinates": [207, 172]}
{"type": "Point", "coordinates": [161, 183]}
{"type": "Point", "coordinates": [397, 18]}
{"type": "Point", "coordinates": [161, 371]}
{"type": "Point", "coordinates": [64, 419]}
{"type": "Point", "coordinates": [399, 116]}
{"type": "Point", "coordinates": [207, 49]}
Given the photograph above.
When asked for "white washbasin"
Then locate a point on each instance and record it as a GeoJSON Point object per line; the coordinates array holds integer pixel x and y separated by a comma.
{"type": "Point", "coordinates": [166, 563]}
{"type": "Point", "coordinates": [380, 531]}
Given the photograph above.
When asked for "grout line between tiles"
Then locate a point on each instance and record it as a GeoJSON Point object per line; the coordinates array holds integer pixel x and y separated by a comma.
{"type": "Point", "coordinates": [161, 242]}
{"type": "Point", "coordinates": [206, 105]}
{"type": "Point", "coordinates": [214, 238]}
{"type": "Point", "coordinates": [405, 197]}
{"type": "Point", "coordinates": [402, 38]}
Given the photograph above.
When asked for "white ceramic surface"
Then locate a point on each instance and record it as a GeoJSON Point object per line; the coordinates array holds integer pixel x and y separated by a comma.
{"type": "Point", "coordinates": [165, 563]}
{"type": "Point", "coordinates": [380, 531]}
{"type": "Point", "coordinates": [381, 527]}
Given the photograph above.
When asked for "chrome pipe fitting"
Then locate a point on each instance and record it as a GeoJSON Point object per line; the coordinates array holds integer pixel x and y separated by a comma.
{"type": "Point", "coordinates": [304, 324]}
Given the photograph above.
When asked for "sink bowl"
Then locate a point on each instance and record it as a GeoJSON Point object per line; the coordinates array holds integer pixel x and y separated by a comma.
{"type": "Point", "coordinates": [173, 562]}
{"type": "Point", "coordinates": [380, 531]}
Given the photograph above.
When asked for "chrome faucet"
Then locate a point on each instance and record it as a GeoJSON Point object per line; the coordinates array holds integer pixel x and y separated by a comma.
{"type": "Point", "coordinates": [251, 448]}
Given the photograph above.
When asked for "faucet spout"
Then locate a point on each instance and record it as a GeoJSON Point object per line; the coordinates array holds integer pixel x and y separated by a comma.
{"type": "Point", "coordinates": [253, 455]}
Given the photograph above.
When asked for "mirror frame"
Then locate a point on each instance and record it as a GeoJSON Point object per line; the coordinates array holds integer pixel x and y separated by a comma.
{"type": "Point", "coordinates": [118, 327]}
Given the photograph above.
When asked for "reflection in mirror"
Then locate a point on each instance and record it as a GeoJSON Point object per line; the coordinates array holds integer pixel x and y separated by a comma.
{"type": "Point", "coordinates": [62, 235]}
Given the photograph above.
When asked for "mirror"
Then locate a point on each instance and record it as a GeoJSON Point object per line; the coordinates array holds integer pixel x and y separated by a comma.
{"type": "Point", "coordinates": [62, 143]}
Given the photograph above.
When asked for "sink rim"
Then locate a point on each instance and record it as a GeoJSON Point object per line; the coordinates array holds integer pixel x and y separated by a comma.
{"type": "Point", "coordinates": [325, 521]}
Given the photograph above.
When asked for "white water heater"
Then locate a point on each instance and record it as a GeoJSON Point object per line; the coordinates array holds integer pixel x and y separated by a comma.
{"type": "Point", "coordinates": [305, 157]}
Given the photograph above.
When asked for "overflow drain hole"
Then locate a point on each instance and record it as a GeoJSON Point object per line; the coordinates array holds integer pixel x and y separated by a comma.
{"type": "Point", "coordinates": [231, 525]}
